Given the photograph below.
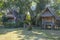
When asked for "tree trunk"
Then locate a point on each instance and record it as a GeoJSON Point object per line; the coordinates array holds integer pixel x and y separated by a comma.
{"type": "Point", "coordinates": [29, 26]}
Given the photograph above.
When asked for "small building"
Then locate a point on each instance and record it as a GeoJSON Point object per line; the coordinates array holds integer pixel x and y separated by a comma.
{"type": "Point", "coordinates": [57, 21]}
{"type": "Point", "coordinates": [48, 18]}
{"type": "Point", "coordinates": [11, 16]}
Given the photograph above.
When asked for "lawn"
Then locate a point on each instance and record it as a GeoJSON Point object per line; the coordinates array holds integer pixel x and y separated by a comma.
{"type": "Point", "coordinates": [24, 34]}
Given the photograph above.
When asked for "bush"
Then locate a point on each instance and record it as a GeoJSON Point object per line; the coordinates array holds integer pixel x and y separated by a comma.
{"type": "Point", "coordinates": [19, 23]}
{"type": "Point", "coordinates": [10, 24]}
{"type": "Point", "coordinates": [13, 25]}
{"type": "Point", "coordinates": [30, 28]}
{"type": "Point", "coordinates": [4, 19]}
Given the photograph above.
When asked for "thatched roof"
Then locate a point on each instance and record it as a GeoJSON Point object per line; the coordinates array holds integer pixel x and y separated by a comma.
{"type": "Point", "coordinates": [47, 12]}
{"type": "Point", "coordinates": [57, 17]}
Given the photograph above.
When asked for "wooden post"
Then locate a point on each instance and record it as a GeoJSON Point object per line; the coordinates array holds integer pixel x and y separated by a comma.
{"type": "Point", "coordinates": [44, 26]}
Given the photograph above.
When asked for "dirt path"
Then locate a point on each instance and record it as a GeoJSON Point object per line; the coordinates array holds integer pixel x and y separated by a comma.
{"type": "Point", "coordinates": [9, 36]}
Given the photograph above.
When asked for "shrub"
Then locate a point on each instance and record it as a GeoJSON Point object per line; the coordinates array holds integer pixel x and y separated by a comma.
{"type": "Point", "coordinates": [4, 19]}
{"type": "Point", "coordinates": [30, 28]}
{"type": "Point", "coordinates": [10, 24]}
{"type": "Point", "coordinates": [19, 24]}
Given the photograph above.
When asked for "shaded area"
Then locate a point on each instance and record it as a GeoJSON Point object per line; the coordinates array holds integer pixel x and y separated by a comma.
{"type": "Point", "coordinates": [7, 30]}
{"type": "Point", "coordinates": [37, 34]}
{"type": "Point", "coordinates": [34, 34]}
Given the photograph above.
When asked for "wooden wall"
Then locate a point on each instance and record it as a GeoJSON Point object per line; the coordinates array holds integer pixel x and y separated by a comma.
{"type": "Point", "coordinates": [48, 19]}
